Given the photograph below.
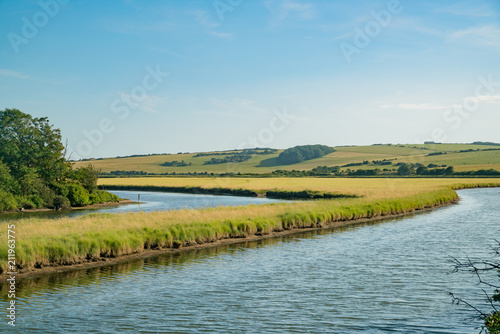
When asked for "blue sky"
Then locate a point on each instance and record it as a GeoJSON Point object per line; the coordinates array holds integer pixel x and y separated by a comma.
{"type": "Point", "coordinates": [275, 73]}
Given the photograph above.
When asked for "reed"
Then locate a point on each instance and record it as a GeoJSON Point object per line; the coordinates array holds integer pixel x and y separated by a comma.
{"type": "Point", "coordinates": [67, 241]}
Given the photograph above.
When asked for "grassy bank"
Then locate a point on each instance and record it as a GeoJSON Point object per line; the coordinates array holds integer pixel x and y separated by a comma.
{"type": "Point", "coordinates": [275, 193]}
{"type": "Point", "coordinates": [66, 241]}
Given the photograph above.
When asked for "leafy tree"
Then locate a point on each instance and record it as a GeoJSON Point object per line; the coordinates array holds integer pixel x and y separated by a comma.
{"type": "Point", "coordinates": [405, 169]}
{"type": "Point", "coordinates": [27, 142]}
{"type": "Point", "coordinates": [300, 153]}
{"type": "Point", "coordinates": [88, 176]}
{"type": "Point", "coordinates": [33, 169]}
{"type": "Point", "coordinates": [422, 170]}
{"type": "Point", "coordinates": [7, 182]}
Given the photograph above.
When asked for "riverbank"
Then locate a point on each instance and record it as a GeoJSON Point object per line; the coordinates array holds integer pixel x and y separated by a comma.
{"type": "Point", "coordinates": [85, 207]}
{"type": "Point", "coordinates": [105, 261]}
{"type": "Point", "coordinates": [97, 239]}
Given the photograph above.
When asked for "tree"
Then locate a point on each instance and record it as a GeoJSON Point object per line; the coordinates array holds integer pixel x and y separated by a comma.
{"type": "Point", "coordinates": [422, 170]}
{"type": "Point", "coordinates": [449, 170]}
{"type": "Point", "coordinates": [405, 169]}
{"type": "Point", "coordinates": [88, 176]}
{"type": "Point", "coordinates": [27, 142]}
{"type": "Point", "coordinates": [34, 171]}
{"type": "Point", "coordinates": [491, 317]}
{"type": "Point", "coordinates": [305, 152]}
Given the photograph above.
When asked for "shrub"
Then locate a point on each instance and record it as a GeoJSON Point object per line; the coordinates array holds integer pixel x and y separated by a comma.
{"type": "Point", "coordinates": [100, 196]}
{"type": "Point", "coordinates": [61, 203]}
{"type": "Point", "coordinates": [36, 200]}
{"type": "Point", "coordinates": [7, 201]}
{"type": "Point", "coordinates": [47, 195]}
{"type": "Point", "coordinates": [78, 196]}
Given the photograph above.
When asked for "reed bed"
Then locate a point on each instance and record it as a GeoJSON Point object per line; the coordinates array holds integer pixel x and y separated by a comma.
{"type": "Point", "coordinates": [66, 241]}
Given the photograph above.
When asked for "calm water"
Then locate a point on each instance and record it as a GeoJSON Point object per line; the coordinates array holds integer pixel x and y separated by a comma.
{"type": "Point", "coordinates": [153, 201]}
{"type": "Point", "coordinates": [388, 276]}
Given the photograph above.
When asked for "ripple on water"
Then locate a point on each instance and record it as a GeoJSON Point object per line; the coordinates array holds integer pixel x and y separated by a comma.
{"type": "Point", "coordinates": [390, 276]}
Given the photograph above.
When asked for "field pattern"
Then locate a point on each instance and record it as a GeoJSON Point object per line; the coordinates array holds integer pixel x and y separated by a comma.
{"type": "Point", "coordinates": [487, 157]}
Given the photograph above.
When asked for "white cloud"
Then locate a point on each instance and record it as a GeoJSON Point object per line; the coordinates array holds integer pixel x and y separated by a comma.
{"type": "Point", "coordinates": [486, 98]}
{"type": "Point", "coordinates": [431, 106]}
{"type": "Point", "coordinates": [413, 106]}
{"type": "Point", "coordinates": [282, 9]}
{"type": "Point", "coordinates": [467, 9]}
{"type": "Point", "coordinates": [13, 74]}
{"type": "Point", "coordinates": [486, 35]}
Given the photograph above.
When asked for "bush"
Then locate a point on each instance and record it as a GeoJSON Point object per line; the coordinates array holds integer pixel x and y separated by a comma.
{"type": "Point", "coordinates": [37, 201]}
{"type": "Point", "coordinates": [78, 196]}
{"type": "Point", "coordinates": [47, 195]}
{"type": "Point", "coordinates": [100, 196]}
{"type": "Point", "coordinates": [61, 203]}
{"type": "Point", "coordinates": [61, 188]}
{"type": "Point", "coordinates": [7, 201]}
{"type": "Point", "coordinates": [26, 203]}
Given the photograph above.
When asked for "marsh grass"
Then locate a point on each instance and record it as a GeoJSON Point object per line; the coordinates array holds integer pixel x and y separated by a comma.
{"type": "Point", "coordinates": [68, 241]}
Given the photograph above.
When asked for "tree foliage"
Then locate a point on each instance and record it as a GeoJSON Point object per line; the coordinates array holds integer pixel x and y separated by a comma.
{"type": "Point", "coordinates": [34, 171]}
{"type": "Point", "coordinates": [301, 153]}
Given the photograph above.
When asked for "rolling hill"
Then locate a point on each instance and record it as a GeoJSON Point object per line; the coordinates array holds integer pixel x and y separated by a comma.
{"type": "Point", "coordinates": [463, 157]}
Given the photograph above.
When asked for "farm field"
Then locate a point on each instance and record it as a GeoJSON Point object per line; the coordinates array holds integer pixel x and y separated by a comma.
{"type": "Point", "coordinates": [266, 163]}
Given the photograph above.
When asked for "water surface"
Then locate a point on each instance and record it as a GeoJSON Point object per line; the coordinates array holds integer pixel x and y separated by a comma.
{"type": "Point", "coordinates": [152, 201]}
{"type": "Point", "coordinates": [388, 276]}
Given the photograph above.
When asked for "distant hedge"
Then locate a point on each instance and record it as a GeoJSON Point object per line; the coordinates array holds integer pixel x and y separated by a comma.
{"type": "Point", "coordinates": [301, 153]}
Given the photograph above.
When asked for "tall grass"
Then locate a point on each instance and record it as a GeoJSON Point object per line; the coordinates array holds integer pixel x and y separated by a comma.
{"type": "Point", "coordinates": [68, 241]}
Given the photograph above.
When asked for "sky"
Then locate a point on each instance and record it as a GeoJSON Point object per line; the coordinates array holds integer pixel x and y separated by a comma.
{"type": "Point", "coordinates": [139, 77]}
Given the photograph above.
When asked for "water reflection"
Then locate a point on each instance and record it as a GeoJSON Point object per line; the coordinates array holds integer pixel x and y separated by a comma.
{"type": "Point", "coordinates": [387, 276]}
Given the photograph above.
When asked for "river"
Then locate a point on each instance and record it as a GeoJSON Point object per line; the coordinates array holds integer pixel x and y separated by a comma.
{"type": "Point", "coordinates": [379, 277]}
{"type": "Point", "coordinates": [149, 201]}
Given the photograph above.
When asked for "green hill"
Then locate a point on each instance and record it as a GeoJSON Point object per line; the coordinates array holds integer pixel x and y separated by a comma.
{"type": "Point", "coordinates": [463, 157]}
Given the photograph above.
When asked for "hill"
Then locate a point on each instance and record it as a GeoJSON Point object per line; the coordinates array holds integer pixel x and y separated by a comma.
{"type": "Point", "coordinates": [463, 157]}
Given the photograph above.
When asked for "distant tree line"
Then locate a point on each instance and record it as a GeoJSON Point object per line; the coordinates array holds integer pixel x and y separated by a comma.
{"type": "Point", "coordinates": [301, 153]}
{"type": "Point", "coordinates": [328, 171]}
{"type": "Point", "coordinates": [485, 143]}
{"type": "Point", "coordinates": [245, 151]}
{"type": "Point", "coordinates": [34, 172]}
{"type": "Point", "coordinates": [384, 162]}
{"type": "Point", "coordinates": [176, 163]}
{"type": "Point", "coordinates": [230, 158]}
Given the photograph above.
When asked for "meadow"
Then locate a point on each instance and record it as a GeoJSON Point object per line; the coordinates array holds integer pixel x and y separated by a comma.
{"type": "Point", "coordinates": [66, 241]}
{"type": "Point", "coordinates": [266, 163]}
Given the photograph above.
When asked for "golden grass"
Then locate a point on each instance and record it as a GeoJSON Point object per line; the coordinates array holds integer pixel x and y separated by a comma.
{"type": "Point", "coordinates": [373, 188]}
{"type": "Point", "coordinates": [72, 240]}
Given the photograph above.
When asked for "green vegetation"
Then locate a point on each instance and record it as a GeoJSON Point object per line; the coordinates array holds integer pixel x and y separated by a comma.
{"type": "Point", "coordinates": [75, 240]}
{"type": "Point", "coordinates": [301, 153]}
{"type": "Point", "coordinates": [349, 159]}
{"type": "Point", "coordinates": [33, 170]}
{"type": "Point", "coordinates": [304, 195]}
{"type": "Point", "coordinates": [230, 158]}
{"type": "Point", "coordinates": [187, 190]}
{"type": "Point", "coordinates": [176, 163]}
{"type": "Point", "coordinates": [246, 151]}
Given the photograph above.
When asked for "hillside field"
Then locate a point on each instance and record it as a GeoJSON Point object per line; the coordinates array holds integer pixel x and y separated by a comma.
{"type": "Point", "coordinates": [476, 157]}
